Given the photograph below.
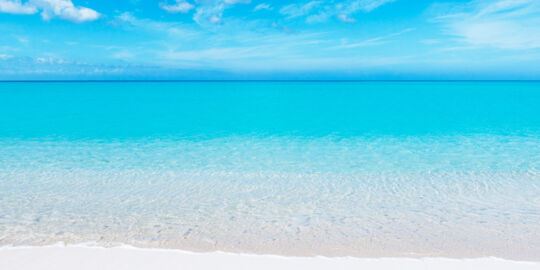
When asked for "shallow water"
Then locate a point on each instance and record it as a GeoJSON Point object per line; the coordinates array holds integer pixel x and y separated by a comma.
{"type": "Point", "coordinates": [294, 168]}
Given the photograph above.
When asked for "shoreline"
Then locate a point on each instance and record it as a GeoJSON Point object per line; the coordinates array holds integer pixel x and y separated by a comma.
{"type": "Point", "coordinates": [64, 257]}
{"type": "Point", "coordinates": [330, 252]}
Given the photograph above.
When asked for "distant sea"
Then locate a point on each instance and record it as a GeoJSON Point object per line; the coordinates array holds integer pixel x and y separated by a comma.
{"type": "Point", "coordinates": [365, 169]}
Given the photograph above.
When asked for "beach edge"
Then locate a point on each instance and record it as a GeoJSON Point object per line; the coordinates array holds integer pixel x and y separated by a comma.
{"type": "Point", "coordinates": [69, 257]}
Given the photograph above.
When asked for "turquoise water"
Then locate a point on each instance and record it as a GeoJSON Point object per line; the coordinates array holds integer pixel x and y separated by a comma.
{"type": "Point", "coordinates": [109, 111]}
{"type": "Point", "coordinates": [295, 168]}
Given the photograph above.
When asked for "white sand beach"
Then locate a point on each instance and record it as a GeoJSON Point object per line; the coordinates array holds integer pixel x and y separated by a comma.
{"type": "Point", "coordinates": [118, 258]}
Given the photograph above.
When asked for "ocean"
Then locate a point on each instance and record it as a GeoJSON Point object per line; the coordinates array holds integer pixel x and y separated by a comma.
{"type": "Point", "coordinates": [370, 169]}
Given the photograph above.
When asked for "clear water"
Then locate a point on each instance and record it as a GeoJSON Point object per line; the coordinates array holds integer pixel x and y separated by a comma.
{"type": "Point", "coordinates": [295, 168]}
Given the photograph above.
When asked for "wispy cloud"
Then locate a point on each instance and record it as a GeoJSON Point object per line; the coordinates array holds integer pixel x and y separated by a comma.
{"type": "Point", "coordinates": [345, 18]}
{"type": "Point", "coordinates": [262, 6]}
{"type": "Point", "coordinates": [21, 39]}
{"type": "Point", "coordinates": [217, 54]}
{"type": "Point", "coordinates": [374, 41]}
{"type": "Point", "coordinates": [318, 11]}
{"type": "Point", "coordinates": [282, 28]}
{"type": "Point", "coordinates": [64, 9]}
{"type": "Point", "coordinates": [207, 12]}
{"type": "Point", "coordinates": [46, 65]}
{"type": "Point", "coordinates": [5, 56]}
{"type": "Point", "coordinates": [172, 29]}
{"type": "Point", "coordinates": [237, 1]}
{"type": "Point", "coordinates": [366, 5]}
{"type": "Point", "coordinates": [251, 50]}
{"type": "Point", "coordinates": [297, 10]}
{"type": "Point", "coordinates": [503, 24]}
{"type": "Point", "coordinates": [181, 6]}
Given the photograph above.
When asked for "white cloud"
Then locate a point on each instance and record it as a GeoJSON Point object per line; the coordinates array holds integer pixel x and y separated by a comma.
{"type": "Point", "coordinates": [501, 34]}
{"type": "Point", "coordinates": [319, 17]}
{"type": "Point", "coordinates": [63, 9]}
{"type": "Point", "coordinates": [503, 24]}
{"type": "Point", "coordinates": [181, 6]}
{"type": "Point", "coordinates": [16, 7]}
{"type": "Point", "coordinates": [345, 18]}
{"type": "Point", "coordinates": [296, 10]}
{"type": "Point", "coordinates": [66, 10]}
{"type": "Point", "coordinates": [262, 6]}
{"type": "Point", "coordinates": [366, 5]}
{"type": "Point", "coordinates": [215, 19]}
{"type": "Point", "coordinates": [210, 12]}
{"type": "Point", "coordinates": [317, 11]}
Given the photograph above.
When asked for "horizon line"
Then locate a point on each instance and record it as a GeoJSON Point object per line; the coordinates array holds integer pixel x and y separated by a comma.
{"type": "Point", "coordinates": [292, 80]}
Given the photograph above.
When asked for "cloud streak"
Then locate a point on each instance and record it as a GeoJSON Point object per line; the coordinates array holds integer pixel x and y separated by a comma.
{"type": "Point", "coordinates": [172, 29]}
{"type": "Point", "coordinates": [503, 24]}
{"type": "Point", "coordinates": [296, 10]}
{"type": "Point", "coordinates": [262, 6]}
{"type": "Point", "coordinates": [318, 11]}
{"type": "Point", "coordinates": [207, 12]}
{"type": "Point", "coordinates": [374, 41]}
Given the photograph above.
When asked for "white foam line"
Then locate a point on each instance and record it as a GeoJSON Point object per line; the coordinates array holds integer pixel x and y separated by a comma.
{"type": "Point", "coordinates": [81, 257]}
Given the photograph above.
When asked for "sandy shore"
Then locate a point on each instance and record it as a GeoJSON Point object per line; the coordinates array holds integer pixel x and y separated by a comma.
{"type": "Point", "coordinates": [83, 257]}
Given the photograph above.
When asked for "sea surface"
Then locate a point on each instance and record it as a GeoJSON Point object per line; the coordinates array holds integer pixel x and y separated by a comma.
{"type": "Point", "coordinates": [371, 169]}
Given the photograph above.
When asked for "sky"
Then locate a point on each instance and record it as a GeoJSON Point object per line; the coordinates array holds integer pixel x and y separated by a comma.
{"type": "Point", "coordinates": [262, 39]}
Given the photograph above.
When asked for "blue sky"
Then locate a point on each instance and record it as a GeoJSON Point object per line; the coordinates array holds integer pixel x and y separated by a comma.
{"type": "Point", "coordinates": [261, 39]}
